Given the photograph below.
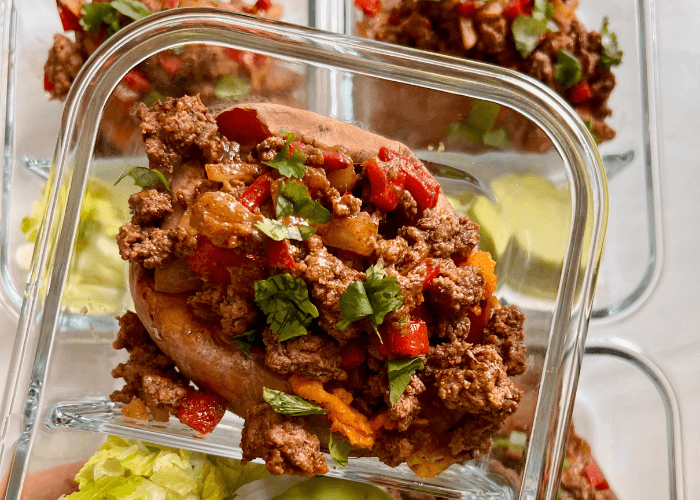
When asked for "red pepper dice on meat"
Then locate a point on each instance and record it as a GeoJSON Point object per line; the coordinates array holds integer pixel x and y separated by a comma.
{"type": "Point", "coordinates": [595, 477]}
{"type": "Point", "coordinates": [214, 261]}
{"type": "Point", "coordinates": [202, 411]}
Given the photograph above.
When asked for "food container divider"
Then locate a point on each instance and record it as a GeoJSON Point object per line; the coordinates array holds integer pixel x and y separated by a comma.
{"type": "Point", "coordinates": [65, 356]}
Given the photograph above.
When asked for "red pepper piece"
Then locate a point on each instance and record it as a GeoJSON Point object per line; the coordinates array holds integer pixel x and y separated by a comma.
{"type": "Point", "coordinates": [424, 188]}
{"type": "Point", "coordinates": [429, 272]}
{"type": "Point", "coordinates": [294, 145]}
{"type": "Point", "coordinates": [213, 261]}
{"type": "Point", "coordinates": [580, 92]}
{"type": "Point", "coordinates": [370, 7]}
{"type": "Point", "coordinates": [352, 356]}
{"type": "Point", "coordinates": [169, 64]}
{"type": "Point", "coordinates": [69, 20]}
{"type": "Point", "coordinates": [243, 126]}
{"type": "Point", "coordinates": [263, 4]}
{"type": "Point", "coordinates": [466, 8]}
{"type": "Point", "coordinates": [335, 160]}
{"type": "Point", "coordinates": [383, 346]}
{"type": "Point", "coordinates": [384, 192]}
{"type": "Point", "coordinates": [595, 477]}
{"type": "Point", "coordinates": [48, 86]}
{"type": "Point", "coordinates": [412, 342]}
{"type": "Point", "coordinates": [516, 7]}
{"type": "Point", "coordinates": [235, 54]}
{"type": "Point", "coordinates": [202, 411]}
{"type": "Point", "coordinates": [279, 254]}
{"type": "Point", "coordinates": [137, 80]}
{"type": "Point", "coordinates": [172, 4]}
{"type": "Point", "coordinates": [257, 192]}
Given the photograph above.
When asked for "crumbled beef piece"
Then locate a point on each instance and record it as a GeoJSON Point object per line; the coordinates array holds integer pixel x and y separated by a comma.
{"type": "Point", "coordinates": [455, 288]}
{"type": "Point", "coordinates": [505, 331]}
{"type": "Point", "coordinates": [407, 407]}
{"type": "Point", "coordinates": [446, 355]}
{"type": "Point", "coordinates": [148, 245]}
{"type": "Point", "coordinates": [472, 437]}
{"type": "Point", "coordinates": [64, 62]}
{"type": "Point", "coordinates": [445, 236]}
{"type": "Point", "coordinates": [313, 356]}
{"type": "Point", "coordinates": [407, 210]}
{"type": "Point", "coordinates": [172, 129]}
{"type": "Point", "coordinates": [394, 448]}
{"type": "Point", "coordinates": [268, 149]}
{"type": "Point", "coordinates": [185, 241]}
{"type": "Point", "coordinates": [131, 332]}
{"type": "Point", "coordinates": [221, 304]}
{"type": "Point", "coordinates": [283, 442]}
{"type": "Point", "coordinates": [453, 326]}
{"type": "Point", "coordinates": [328, 277]}
{"type": "Point", "coordinates": [391, 251]}
{"type": "Point", "coordinates": [479, 385]}
{"type": "Point", "coordinates": [346, 206]}
{"type": "Point", "coordinates": [493, 34]}
{"type": "Point", "coordinates": [205, 302]}
{"type": "Point", "coordinates": [164, 392]}
{"type": "Point", "coordinates": [148, 206]}
{"type": "Point", "coordinates": [574, 483]}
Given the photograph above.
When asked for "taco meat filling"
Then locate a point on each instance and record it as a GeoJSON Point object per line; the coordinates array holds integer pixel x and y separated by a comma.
{"type": "Point", "coordinates": [348, 280]}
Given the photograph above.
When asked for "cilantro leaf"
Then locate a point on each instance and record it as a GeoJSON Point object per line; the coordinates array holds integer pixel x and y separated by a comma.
{"type": "Point", "coordinates": [374, 298]}
{"type": "Point", "coordinates": [244, 341]}
{"type": "Point", "coordinates": [339, 450]}
{"type": "Point", "coordinates": [400, 373]}
{"type": "Point", "coordinates": [230, 86]}
{"type": "Point", "coordinates": [611, 54]}
{"type": "Point", "coordinates": [286, 303]}
{"type": "Point", "coordinates": [527, 32]}
{"type": "Point", "coordinates": [144, 176]}
{"type": "Point", "coordinates": [542, 9]}
{"type": "Point", "coordinates": [153, 98]}
{"type": "Point", "coordinates": [293, 199]}
{"type": "Point", "coordinates": [289, 166]}
{"type": "Point", "coordinates": [482, 116]}
{"type": "Point", "coordinates": [279, 231]}
{"type": "Point", "coordinates": [290, 405]}
{"type": "Point", "coordinates": [567, 70]}
{"type": "Point", "coordinates": [131, 8]}
{"type": "Point", "coordinates": [94, 14]}
{"type": "Point", "coordinates": [497, 138]}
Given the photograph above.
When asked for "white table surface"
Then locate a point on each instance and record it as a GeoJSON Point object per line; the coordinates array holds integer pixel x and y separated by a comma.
{"type": "Point", "coordinates": [667, 325]}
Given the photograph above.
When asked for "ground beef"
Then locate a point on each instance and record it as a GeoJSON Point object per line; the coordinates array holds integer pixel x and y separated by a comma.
{"type": "Point", "coordinates": [505, 331]}
{"type": "Point", "coordinates": [149, 246]}
{"type": "Point", "coordinates": [219, 303]}
{"type": "Point", "coordinates": [164, 392]}
{"type": "Point", "coordinates": [313, 356]}
{"type": "Point", "coordinates": [472, 437]}
{"type": "Point", "coordinates": [574, 484]}
{"type": "Point", "coordinates": [346, 206]}
{"type": "Point", "coordinates": [407, 407]}
{"type": "Point", "coordinates": [394, 448]}
{"type": "Point", "coordinates": [149, 205]}
{"type": "Point", "coordinates": [283, 442]}
{"type": "Point", "coordinates": [446, 236]}
{"type": "Point", "coordinates": [131, 333]}
{"type": "Point", "coordinates": [446, 355]}
{"type": "Point", "coordinates": [479, 385]}
{"type": "Point", "coordinates": [65, 60]}
{"type": "Point", "coordinates": [391, 251]}
{"type": "Point", "coordinates": [175, 128]}
{"type": "Point", "coordinates": [455, 288]}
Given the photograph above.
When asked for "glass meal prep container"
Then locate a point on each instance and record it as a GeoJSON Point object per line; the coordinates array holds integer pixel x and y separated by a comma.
{"type": "Point", "coordinates": [60, 372]}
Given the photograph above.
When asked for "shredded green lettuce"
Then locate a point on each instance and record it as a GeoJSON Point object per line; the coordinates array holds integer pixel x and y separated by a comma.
{"type": "Point", "coordinates": [124, 469]}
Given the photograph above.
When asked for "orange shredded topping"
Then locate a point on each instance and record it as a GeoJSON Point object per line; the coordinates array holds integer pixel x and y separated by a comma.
{"type": "Point", "coordinates": [343, 395]}
{"type": "Point", "coordinates": [345, 419]}
{"type": "Point", "coordinates": [483, 261]}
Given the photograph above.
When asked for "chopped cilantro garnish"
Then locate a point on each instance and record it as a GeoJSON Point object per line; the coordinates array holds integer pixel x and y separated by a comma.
{"type": "Point", "coordinates": [230, 87]}
{"type": "Point", "coordinates": [96, 13]}
{"type": "Point", "coordinates": [611, 55]}
{"type": "Point", "coordinates": [279, 231]}
{"type": "Point", "coordinates": [527, 32]}
{"type": "Point", "coordinates": [293, 199]}
{"type": "Point", "coordinates": [400, 373]}
{"type": "Point", "coordinates": [244, 341]}
{"type": "Point", "coordinates": [496, 138]}
{"type": "Point", "coordinates": [132, 9]}
{"type": "Point", "coordinates": [290, 405]}
{"type": "Point", "coordinates": [153, 98]}
{"type": "Point", "coordinates": [479, 127]}
{"type": "Point", "coordinates": [567, 70]}
{"type": "Point", "coordinates": [144, 176]}
{"type": "Point", "coordinates": [286, 303]}
{"type": "Point", "coordinates": [339, 450]}
{"type": "Point", "coordinates": [482, 116]}
{"type": "Point", "coordinates": [289, 166]}
{"type": "Point", "coordinates": [374, 298]}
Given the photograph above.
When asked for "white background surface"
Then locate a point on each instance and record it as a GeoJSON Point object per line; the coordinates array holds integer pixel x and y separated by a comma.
{"type": "Point", "coordinates": [667, 326]}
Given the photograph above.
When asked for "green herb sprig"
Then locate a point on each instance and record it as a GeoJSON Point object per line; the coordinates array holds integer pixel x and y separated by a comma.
{"type": "Point", "coordinates": [400, 373]}
{"type": "Point", "coordinates": [293, 199]}
{"type": "Point", "coordinates": [289, 165]}
{"type": "Point", "coordinates": [144, 176]}
{"type": "Point", "coordinates": [290, 405]}
{"type": "Point", "coordinates": [286, 303]}
{"type": "Point", "coordinates": [339, 450]}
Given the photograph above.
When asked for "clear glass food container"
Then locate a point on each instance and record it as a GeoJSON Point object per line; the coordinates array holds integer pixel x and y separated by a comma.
{"type": "Point", "coordinates": [633, 254]}
{"type": "Point", "coordinates": [60, 370]}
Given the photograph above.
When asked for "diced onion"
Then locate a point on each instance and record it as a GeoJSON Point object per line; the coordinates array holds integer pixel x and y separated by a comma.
{"type": "Point", "coordinates": [357, 234]}
{"type": "Point", "coordinates": [344, 179]}
{"type": "Point", "coordinates": [245, 172]}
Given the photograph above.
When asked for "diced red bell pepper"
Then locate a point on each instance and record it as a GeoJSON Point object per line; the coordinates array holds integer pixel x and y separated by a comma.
{"type": "Point", "coordinates": [384, 192]}
{"type": "Point", "coordinates": [429, 272]}
{"type": "Point", "coordinates": [412, 342]}
{"type": "Point", "coordinates": [595, 477]}
{"type": "Point", "coordinates": [263, 4]}
{"type": "Point", "coordinates": [172, 4]}
{"type": "Point", "coordinates": [466, 8]}
{"type": "Point", "coordinates": [293, 146]}
{"type": "Point", "coordinates": [169, 64]}
{"type": "Point", "coordinates": [279, 254]}
{"type": "Point", "coordinates": [48, 86]}
{"type": "Point", "coordinates": [202, 411]}
{"type": "Point", "coordinates": [580, 92]}
{"type": "Point", "coordinates": [257, 192]}
{"type": "Point", "coordinates": [213, 261]}
{"type": "Point", "coordinates": [477, 322]}
{"type": "Point", "coordinates": [516, 7]}
{"type": "Point", "coordinates": [370, 7]}
{"type": "Point", "coordinates": [137, 80]}
{"type": "Point", "coordinates": [352, 356]}
{"type": "Point", "coordinates": [383, 345]}
{"type": "Point", "coordinates": [335, 160]}
{"type": "Point", "coordinates": [243, 126]}
{"type": "Point", "coordinates": [424, 188]}
{"type": "Point", "coordinates": [69, 20]}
